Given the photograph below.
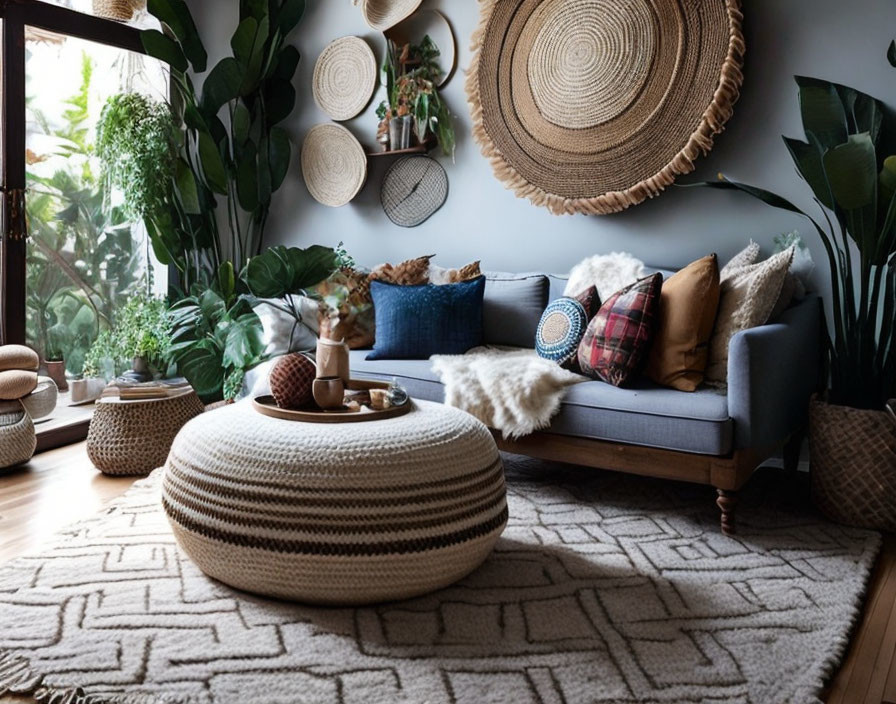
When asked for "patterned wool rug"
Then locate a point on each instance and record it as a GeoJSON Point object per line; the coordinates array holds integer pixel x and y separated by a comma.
{"type": "Point", "coordinates": [604, 588]}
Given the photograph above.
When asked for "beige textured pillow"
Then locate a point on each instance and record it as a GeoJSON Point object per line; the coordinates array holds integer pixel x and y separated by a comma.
{"type": "Point", "coordinates": [749, 295]}
{"type": "Point", "coordinates": [15, 384]}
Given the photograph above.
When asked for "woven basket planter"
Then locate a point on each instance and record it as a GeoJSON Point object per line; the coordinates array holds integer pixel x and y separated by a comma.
{"type": "Point", "coordinates": [134, 437]}
{"type": "Point", "coordinates": [853, 456]}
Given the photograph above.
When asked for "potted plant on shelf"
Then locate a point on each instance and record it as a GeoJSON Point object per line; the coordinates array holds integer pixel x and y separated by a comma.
{"type": "Point", "coordinates": [847, 162]}
{"type": "Point", "coordinates": [413, 102]}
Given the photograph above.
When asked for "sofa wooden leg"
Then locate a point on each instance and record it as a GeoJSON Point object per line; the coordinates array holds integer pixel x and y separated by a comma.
{"type": "Point", "coordinates": [727, 502]}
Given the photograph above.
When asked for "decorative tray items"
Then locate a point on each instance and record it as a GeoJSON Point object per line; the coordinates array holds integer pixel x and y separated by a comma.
{"type": "Point", "coordinates": [323, 392]}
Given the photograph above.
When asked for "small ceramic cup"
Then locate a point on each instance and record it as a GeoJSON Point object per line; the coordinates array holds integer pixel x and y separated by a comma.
{"type": "Point", "coordinates": [329, 392]}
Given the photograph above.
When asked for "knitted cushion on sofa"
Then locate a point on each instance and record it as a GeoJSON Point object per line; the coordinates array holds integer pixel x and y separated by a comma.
{"type": "Point", "coordinates": [618, 340]}
{"type": "Point", "coordinates": [562, 326]}
{"type": "Point", "coordinates": [749, 293]}
{"type": "Point", "coordinates": [16, 384]}
{"type": "Point", "coordinates": [18, 357]}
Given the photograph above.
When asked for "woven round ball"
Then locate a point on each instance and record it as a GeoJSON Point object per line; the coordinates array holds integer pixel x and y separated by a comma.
{"type": "Point", "coordinates": [291, 381]}
{"type": "Point", "coordinates": [591, 106]}
{"type": "Point", "coordinates": [414, 188]}
{"type": "Point", "coordinates": [385, 14]}
{"type": "Point", "coordinates": [344, 78]}
{"type": "Point", "coordinates": [334, 164]}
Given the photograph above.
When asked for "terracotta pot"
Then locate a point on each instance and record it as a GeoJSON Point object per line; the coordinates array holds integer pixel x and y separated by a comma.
{"type": "Point", "coordinates": [56, 371]}
{"type": "Point", "coordinates": [853, 464]}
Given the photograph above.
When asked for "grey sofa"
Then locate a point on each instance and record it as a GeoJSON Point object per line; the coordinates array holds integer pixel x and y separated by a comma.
{"type": "Point", "coordinates": [708, 436]}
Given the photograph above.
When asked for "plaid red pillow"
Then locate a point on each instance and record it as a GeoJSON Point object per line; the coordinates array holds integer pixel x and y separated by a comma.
{"type": "Point", "coordinates": [618, 338]}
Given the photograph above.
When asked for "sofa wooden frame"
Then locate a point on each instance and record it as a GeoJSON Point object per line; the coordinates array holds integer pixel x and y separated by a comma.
{"type": "Point", "coordinates": [727, 474]}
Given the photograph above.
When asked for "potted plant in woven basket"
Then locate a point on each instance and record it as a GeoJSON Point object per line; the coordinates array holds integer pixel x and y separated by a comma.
{"type": "Point", "coordinates": [847, 160]}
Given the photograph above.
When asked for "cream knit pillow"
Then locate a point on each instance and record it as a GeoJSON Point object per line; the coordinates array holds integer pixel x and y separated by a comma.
{"type": "Point", "coordinates": [749, 293]}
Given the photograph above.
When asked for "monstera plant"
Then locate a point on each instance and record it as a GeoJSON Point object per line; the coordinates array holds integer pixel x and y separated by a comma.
{"type": "Point", "coordinates": [232, 150]}
{"type": "Point", "coordinates": [847, 160]}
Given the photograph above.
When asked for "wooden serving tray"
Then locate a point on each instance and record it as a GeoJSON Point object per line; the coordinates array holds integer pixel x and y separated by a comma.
{"type": "Point", "coordinates": [268, 407]}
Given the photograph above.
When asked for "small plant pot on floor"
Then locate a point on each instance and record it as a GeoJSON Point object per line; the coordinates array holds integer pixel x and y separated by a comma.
{"type": "Point", "coordinates": [853, 464]}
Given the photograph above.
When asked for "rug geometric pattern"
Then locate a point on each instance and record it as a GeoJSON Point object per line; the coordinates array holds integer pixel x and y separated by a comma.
{"type": "Point", "coordinates": [603, 588]}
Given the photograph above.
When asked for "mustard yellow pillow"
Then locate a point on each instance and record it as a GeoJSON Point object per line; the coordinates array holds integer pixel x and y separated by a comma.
{"type": "Point", "coordinates": [688, 306]}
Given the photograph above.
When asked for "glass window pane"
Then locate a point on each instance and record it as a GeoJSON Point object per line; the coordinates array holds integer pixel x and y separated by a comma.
{"type": "Point", "coordinates": [86, 256]}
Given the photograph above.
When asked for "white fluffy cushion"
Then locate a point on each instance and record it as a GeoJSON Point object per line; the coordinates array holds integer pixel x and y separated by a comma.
{"type": "Point", "coordinates": [281, 334]}
{"type": "Point", "coordinates": [749, 293]}
{"type": "Point", "coordinates": [608, 272]}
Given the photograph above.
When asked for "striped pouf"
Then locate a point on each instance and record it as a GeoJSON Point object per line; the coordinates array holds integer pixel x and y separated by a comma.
{"type": "Point", "coordinates": [336, 513]}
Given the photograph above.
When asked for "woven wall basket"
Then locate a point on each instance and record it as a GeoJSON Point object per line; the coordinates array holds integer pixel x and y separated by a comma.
{"type": "Point", "coordinates": [414, 188]}
{"type": "Point", "coordinates": [344, 78]}
{"type": "Point", "coordinates": [334, 164]}
{"type": "Point", "coordinates": [591, 106]}
{"type": "Point", "coordinates": [385, 14]}
{"type": "Point", "coordinates": [121, 10]}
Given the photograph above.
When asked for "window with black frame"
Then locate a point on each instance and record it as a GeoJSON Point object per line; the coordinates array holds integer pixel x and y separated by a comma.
{"type": "Point", "coordinates": [74, 247]}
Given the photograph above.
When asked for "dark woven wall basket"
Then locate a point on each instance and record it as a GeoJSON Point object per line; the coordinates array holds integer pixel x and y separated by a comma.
{"type": "Point", "coordinates": [853, 456]}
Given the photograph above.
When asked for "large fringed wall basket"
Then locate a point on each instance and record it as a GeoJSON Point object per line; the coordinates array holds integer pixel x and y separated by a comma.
{"type": "Point", "coordinates": [853, 464]}
{"type": "Point", "coordinates": [591, 106]}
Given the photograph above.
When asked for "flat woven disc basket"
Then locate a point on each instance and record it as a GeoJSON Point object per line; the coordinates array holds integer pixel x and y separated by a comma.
{"type": "Point", "coordinates": [334, 164]}
{"type": "Point", "coordinates": [344, 78]}
{"type": "Point", "coordinates": [385, 14]}
{"type": "Point", "coordinates": [414, 188]}
{"type": "Point", "coordinates": [591, 106]}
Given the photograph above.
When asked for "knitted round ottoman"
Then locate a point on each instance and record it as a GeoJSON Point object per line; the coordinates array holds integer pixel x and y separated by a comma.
{"type": "Point", "coordinates": [336, 513]}
{"type": "Point", "coordinates": [17, 438]}
{"type": "Point", "coordinates": [132, 437]}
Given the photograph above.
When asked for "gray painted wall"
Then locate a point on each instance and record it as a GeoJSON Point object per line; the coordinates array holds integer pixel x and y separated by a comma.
{"type": "Point", "coordinates": [845, 42]}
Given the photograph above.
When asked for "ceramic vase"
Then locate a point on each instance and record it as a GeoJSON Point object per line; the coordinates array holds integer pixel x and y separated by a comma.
{"type": "Point", "coordinates": [332, 359]}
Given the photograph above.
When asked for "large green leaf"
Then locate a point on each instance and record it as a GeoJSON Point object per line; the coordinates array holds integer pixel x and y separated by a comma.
{"type": "Point", "coordinates": [244, 342]}
{"type": "Point", "coordinates": [308, 267]}
{"type": "Point", "coordinates": [280, 99]}
{"type": "Point", "coordinates": [808, 161]}
{"type": "Point", "coordinates": [164, 49]}
{"type": "Point", "coordinates": [851, 169]}
{"type": "Point", "coordinates": [280, 151]}
{"type": "Point", "coordinates": [891, 53]}
{"type": "Point", "coordinates": [242, 120]}
{"type": "Point", "coordinates": [226, 280]}
{"type": "Point", "coordinates": [243, 40]}
{"type": "Point", "coordinates": [267, 275]}
{"type": "Point", "coordinates": [202, 365]}
{"type": "Point", "coordinates": [176, 15]}
{"type": "Point", "coordinates": [822, 111]}
{"type": "Point", "coordinates": [247, 177]}
{"type": "Point", "coordinates": [264, 171]}
{"type": "Point", "coordinates": [212, 306]}
{"type": "Point", "coordinates": [212, 164]}
{"type": "Point", "coordinates": [185, 184]}
{"type": "Point", "coordinates": [290, 15]}
{"type": "Point", "coordinates": [222, 85]}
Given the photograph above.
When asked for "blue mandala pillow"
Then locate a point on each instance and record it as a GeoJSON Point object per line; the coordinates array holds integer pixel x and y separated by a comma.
{"type": "Point", "coordinates": [563, 325]}
{"type": "Point", "coordinates": [416, 322]}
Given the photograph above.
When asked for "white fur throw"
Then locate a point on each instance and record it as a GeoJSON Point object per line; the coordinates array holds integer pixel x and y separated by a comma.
{"type": "Point", "coordinates": [609, 272]}
{"type": "Point", "coordinates": [511, 390]}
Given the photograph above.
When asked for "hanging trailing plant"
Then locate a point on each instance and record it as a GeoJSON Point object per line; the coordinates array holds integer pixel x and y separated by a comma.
{"type": "Point", "coordinates": [136, 143]}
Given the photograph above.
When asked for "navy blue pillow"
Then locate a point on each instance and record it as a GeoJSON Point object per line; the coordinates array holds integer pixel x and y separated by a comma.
{"type": "Point", "coordinates": [416, 322]}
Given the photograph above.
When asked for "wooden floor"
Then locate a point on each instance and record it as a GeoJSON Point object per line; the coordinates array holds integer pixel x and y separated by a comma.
{"type": "Point", "coordinates": [61, 486]}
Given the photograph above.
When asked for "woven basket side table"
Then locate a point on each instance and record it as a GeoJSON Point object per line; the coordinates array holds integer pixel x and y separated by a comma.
{"type": "Point", "coordinates": [134, 437]}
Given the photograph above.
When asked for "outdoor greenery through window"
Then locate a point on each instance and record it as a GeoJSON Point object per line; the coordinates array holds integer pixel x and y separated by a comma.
{"type": "Point", "coordinates": [88, 253]}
